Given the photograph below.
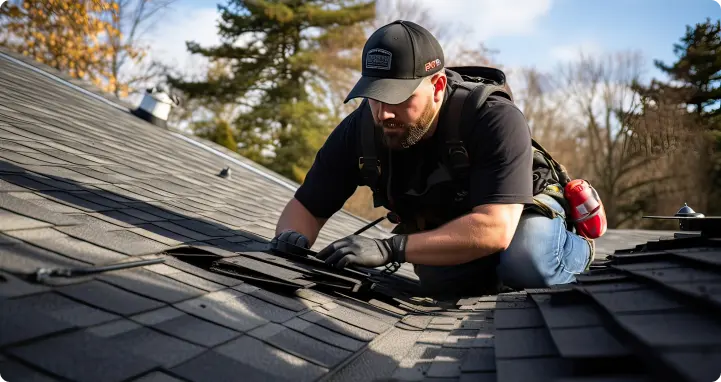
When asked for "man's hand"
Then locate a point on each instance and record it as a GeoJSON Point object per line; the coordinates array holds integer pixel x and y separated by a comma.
{"type": "Point", "coordinates": [363, 251]}
{"type": "Point", "coordinates": [294, 238]}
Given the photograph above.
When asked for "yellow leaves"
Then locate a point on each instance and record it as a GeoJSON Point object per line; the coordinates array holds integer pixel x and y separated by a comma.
{"type": "Point", "coordinates": [123, 89]}
{"type": "Point", "coordinates": [14, 12]}
{"type": "Point", "coordinates": [70, 35]}
{"type": "Point", "coordinates": [39, 37]}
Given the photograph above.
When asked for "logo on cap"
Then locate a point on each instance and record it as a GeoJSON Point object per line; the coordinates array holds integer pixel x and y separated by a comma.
{"type": "Point", "coordinates": [378, 59]}
{"type": "Point", "coordinates": [433, 64]}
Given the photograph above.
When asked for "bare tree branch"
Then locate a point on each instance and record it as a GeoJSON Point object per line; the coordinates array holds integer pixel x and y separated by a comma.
{"type": "Point", "coordinates": [134, 18]}
{"type": "Point", "coordinates": [600, 93]}
{"type": "Point", "coordinates": [637, 185]}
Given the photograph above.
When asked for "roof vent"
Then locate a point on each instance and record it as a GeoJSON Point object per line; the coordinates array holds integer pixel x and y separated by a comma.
{"type": "Point", "coordinates": [687, 211]}
{"type": "Point", "coordinates": [155, 106]}
{"type": "Point", "coordinates": [225, 173]}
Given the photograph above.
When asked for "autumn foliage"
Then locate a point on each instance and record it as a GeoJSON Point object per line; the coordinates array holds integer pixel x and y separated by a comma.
{"type": "Point", "coordinates": [76, 37]}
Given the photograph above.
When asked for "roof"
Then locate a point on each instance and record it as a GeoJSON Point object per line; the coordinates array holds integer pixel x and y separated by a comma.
{"type": "Point", "coordinates": [85, 183]}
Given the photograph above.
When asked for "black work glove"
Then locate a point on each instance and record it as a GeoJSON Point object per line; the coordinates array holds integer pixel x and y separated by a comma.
{"type": "Point", "coordinates": [292, 237]}
{"type": "Point", "coordinates": [364, 251]}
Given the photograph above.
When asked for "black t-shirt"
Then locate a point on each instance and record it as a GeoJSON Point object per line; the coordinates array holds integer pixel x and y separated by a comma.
{"type": "Point", "coordinates": [499, 148]}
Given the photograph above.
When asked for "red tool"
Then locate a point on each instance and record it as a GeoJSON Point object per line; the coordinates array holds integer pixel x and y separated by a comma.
{"type": "Point", "coordinates": [587, 211]}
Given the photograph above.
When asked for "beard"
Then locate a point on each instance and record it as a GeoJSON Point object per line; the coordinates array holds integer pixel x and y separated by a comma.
{"type": "Point", "coordinates": [397, 135]}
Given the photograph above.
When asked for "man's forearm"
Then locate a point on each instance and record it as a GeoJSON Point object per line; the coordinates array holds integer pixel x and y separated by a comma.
{"type": "Point", "coordinates": [297, 218]}
{"type": "Point", "coordinates": [459, 241]}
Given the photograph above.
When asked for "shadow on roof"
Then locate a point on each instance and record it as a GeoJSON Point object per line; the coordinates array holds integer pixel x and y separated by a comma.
{"type": "Point", "coordinates": [186, 321]}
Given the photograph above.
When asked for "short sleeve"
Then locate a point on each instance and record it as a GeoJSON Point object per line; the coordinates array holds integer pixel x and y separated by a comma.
{"type": "Point", "coordinates": [501, 156]}
{"type": "Point", "coordinates": [334, 175]}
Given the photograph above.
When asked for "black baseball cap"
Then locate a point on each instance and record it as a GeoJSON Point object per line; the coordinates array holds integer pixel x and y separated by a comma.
{"type": "Point", "coordinates": [396, 58]}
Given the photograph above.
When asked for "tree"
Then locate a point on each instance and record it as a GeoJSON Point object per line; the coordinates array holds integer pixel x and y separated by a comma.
{"type": "Point", "coordinates": [81, 38]}
{"type": "Point", "coordinates": [275, 52]}
{"type": "Point", "coordinates": [130, 68]}
{"type": "Point", "coordinates": [207, 120]}
{"type": "Point", "coordinates": [663, 127]}
{"type": "Point", "coordinates": [608, 113]}
{"type": "Point", "coordinates": [545, 110]}
{"type": "Point", "coordinates": [695, 79]}
{"type": "Point", "coordinates": [698, 67]}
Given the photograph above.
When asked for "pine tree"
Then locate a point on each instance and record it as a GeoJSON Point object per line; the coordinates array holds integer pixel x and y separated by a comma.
{"type": "Point", "coordinates": [281, 54]}
{"type": "Point", "coordinates": [695, 81]}
{"type": "Point", "coordinates": [698, 67]}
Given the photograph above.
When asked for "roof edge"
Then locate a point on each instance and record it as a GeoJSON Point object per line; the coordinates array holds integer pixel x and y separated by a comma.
{"type": "Point", "coordinates": [58, 75]}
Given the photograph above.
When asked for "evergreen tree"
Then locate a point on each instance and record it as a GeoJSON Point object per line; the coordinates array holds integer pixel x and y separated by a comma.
{"type": "Point", "coordinates": [695, 83]}
{"type": "Point", "coordinates": [278, 55]}
{"type": "Point", "coordinates": [698, 67]}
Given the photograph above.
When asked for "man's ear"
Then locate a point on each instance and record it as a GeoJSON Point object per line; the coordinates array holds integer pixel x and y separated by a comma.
{"type": "Point", "coordinates": [439, 82]}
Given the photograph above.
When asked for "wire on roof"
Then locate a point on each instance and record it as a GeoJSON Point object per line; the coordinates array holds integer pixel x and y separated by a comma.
{"type": "Point", "coordinates": [43, 274]}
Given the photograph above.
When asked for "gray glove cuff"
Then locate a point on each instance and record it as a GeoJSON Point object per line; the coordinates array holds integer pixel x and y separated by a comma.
{"type": "Point", "coordinates": [397, 246]}
{"type": "Point", "coordinates": [295, 238]}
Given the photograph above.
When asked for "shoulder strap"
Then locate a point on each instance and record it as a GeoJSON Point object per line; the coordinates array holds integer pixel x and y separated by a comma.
{"type": "Point", "coordinates": [368, 163]}
{"type": "Point", "coordinates": [456, 116]}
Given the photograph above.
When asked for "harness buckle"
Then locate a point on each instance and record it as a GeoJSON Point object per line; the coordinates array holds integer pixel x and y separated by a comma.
{"type": "Point", "coordinates": [363, 161]}
{"type": "Point", "coordinates": [369, 176]}
{"type": "Point", "coordinates": [457, 155]}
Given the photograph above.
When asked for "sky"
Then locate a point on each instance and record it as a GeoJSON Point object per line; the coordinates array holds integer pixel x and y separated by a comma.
{"type": "Point", "coordinates": [525, 33]}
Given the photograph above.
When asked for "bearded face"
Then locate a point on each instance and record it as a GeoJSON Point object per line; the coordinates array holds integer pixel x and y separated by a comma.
{"type": "Point", "coordinates": [398, 135]}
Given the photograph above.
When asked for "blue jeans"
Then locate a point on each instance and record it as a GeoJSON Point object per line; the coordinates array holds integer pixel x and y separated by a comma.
{"type": "Point", "coordinates": [543, 252]}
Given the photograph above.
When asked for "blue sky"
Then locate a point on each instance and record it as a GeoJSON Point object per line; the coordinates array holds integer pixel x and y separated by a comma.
{"type": "Point", "coordinates": [650, 26]}
{"type": "Point", "coordinates": [525, 32]}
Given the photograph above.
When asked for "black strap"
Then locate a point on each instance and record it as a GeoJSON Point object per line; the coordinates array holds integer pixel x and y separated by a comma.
{"type": "Point", "coordinates": [459, 115]}
{"type": "Point", "coordinates": [456, 153]}
{"type": "Point", "coordinates": [369, 163]}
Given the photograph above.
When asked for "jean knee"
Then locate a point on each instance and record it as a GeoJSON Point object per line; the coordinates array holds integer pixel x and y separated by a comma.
{"type": "Point", "coordinates": [532, 258]}
{"type": "Point", "coordinates": [576, 253]}
{"type": "Point", "coordinates": [542, 253]}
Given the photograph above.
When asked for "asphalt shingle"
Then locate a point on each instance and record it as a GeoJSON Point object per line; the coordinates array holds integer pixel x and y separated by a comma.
{"type": "Point", "coordinates": [125, 242]}
{"type": "Point", "coordinates": [226, 308]}
{"type": "Point", "coordinates": [15, 371]}
{"type": "Point", "coordinates": [101, 359]}
{"type": "Point", "coordinates": [151, 284]}
{"type": "Point", "coordinates": [66, 310]}
{"type": "Point", "coordinates": [109, 298]}
{"type": "Point", "coordinates": [21, 322]}
{"type": "Point", "coordinates": [301, 345]}
{"type": "Point", "coordinates": [26, 208]}
{"type": "Point", "coordinates": [166, 350]}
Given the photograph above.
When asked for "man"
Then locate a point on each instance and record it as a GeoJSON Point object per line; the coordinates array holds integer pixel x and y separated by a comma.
{"type": "Point", "coordinates": [491, 240]}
